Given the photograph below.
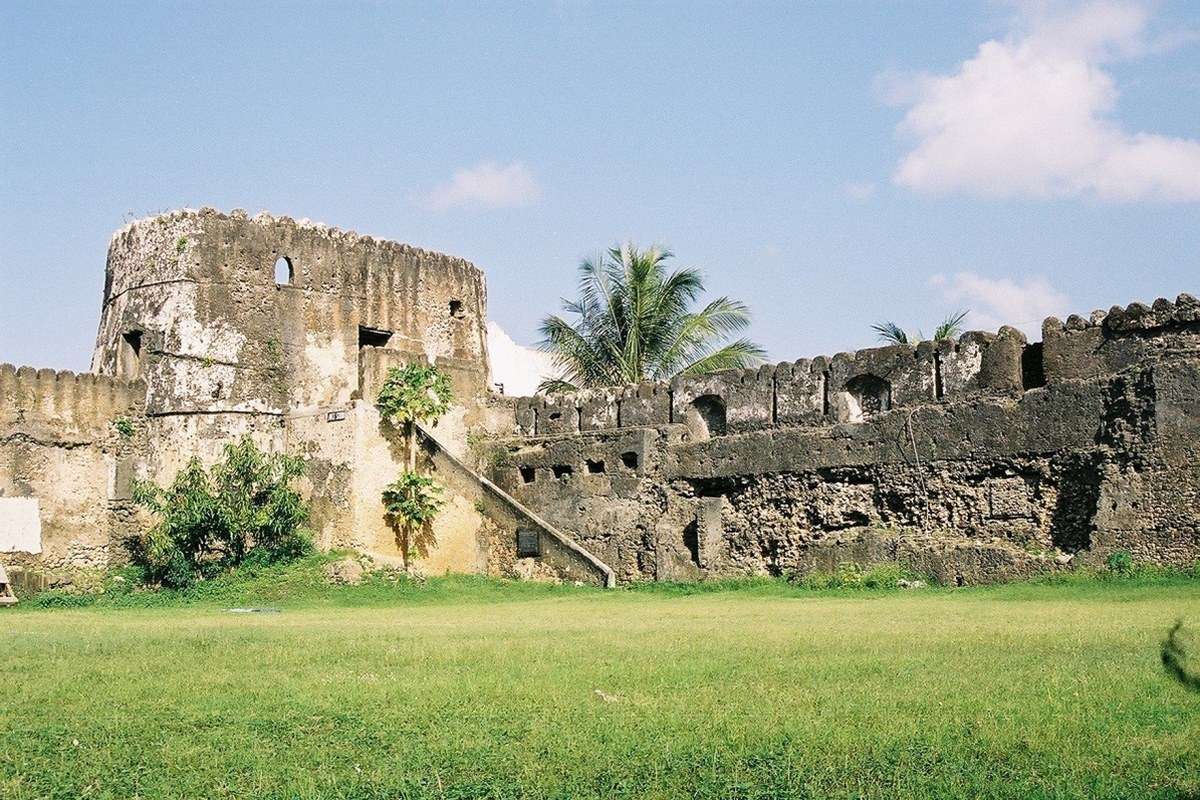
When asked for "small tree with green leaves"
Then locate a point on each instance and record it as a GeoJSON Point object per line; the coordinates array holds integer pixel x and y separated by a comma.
{"type": "Point", "coordinates": [411, 394]}
{"type": "Point", "coordinates": [211, 520]}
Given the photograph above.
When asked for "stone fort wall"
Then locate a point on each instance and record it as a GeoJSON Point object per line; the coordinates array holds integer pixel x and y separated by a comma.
{"type": "Point", "coordinates": [975, 459]}
{"type": "Point", "coordinates": [68, 446]}
{"type": "Point", "coordinates": [215, 326]}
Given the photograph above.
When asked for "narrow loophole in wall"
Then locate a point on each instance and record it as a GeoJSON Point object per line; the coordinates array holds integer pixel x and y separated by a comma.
{"type": "Point", "coordinates": [1033, 368]}
{"type": "Point", "coordinates": [825, 393]}
{"type": "Point", "coordinates": [528, 474]}
{"type": "Point", "coordinates": [284, 274]}
{"type": "Point", "coordinates": [939, 384]}
{"type": "Point", "coordinates": [594, 466]}
{"type": "Point", "coordinates": [691, 540]}
{"type": "Point", "coordinates": [456, 309]}
{"type": "Point", "coordinates": [630, 459]}
{"type": "Point", "coordinates": [562, 472]}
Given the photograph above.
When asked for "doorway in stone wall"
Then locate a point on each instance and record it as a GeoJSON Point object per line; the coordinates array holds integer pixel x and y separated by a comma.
{"type": "Point", "coordinates": [368, 338]}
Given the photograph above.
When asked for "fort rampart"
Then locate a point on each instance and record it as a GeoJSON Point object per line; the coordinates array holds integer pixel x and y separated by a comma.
{"type": "Point", "coordinates": [971, 459]}
{"type": "Point", "coordinates": [979, 458]}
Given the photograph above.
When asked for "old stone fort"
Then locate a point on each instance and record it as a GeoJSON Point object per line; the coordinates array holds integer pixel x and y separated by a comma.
{"type": "Point", "coordinates": [983, 458]}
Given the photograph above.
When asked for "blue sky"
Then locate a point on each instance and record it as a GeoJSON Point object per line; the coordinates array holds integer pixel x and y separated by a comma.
{"type": "Point", "coordinates": [831, 164]}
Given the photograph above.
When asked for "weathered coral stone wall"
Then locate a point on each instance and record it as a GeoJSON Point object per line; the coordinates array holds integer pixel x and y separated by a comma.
{"type": "Point", "coordinates": [66, 450]}
{"type": "Point", "coordinates": [975, 459]}
{"type": "Point", "coordinates": [972, 460]}
{"type": "Point", "coordinates": [216, 326]}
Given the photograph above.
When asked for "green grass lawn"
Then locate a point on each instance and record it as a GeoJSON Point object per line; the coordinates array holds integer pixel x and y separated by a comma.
{"type": "Point", "coordinates": [464, 688]}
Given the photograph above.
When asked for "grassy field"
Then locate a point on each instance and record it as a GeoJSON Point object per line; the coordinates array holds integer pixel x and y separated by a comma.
{"type": "Point", "coordinates": [464, 688]}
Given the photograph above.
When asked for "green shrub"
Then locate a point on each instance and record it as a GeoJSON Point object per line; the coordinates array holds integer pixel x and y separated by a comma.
{"type": "Point", "coordinates": [849, 575]}
{"type": "Point", "coordinates": [209, 521]}
{"type": "Point", "coordinates": [884, 576]}
{"type": "Point", "coordinates": [1119, 562]}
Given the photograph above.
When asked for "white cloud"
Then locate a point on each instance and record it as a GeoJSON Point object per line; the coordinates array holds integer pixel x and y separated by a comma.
{"type": "Point", "coordinates": [1000, 301]}
{"type": "Point", "coordinates": [519, 368]}
{"type": "Point", "coordinates": [486, 185]}
{"type": "Point", "coordinates": [1029, 115]}
{"type": "Point", "coordinates": [859, 190]}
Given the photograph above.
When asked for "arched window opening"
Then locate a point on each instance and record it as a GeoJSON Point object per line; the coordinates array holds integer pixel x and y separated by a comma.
{"type": "Point", "coordinates": [284, 274]}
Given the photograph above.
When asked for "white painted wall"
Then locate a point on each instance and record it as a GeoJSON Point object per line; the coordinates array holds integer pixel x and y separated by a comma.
{"type": "Point", "coordinates": [20, 525]}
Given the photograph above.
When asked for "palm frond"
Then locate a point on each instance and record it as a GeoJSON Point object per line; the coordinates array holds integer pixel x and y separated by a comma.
{"type": "Point", "coordinates": [739, 354]}
{"type": "Point", "coordinates": [951, 326]}
{"type": "Point", "coordinates": [890, 332]}
{"type": "Point", "coordinates": [556, 386]}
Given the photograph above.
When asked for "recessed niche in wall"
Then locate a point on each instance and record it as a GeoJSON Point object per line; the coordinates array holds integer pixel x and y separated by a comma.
{"type": "Point", "coordinates": [129, 359]}
{"type": "Point", "coordinates": [284, 274]}
{"type": "Point", "coordinates": [456, 309]}
{"type": "Point", "coordinates": [595, 466]}
{"type": "Point", "coordinates": [706, 417]}
{"type": "Point", "coordinates": [528, 474]}
{"type": "Point", "coordinates": [630, 459]}
{"type": "Point", "coordinates": [562, 471]}
{"type": "Point", "coordinates": [872, 395]}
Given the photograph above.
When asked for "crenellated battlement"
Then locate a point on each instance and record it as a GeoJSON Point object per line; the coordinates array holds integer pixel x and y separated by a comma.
{"type": "Point", "coordinates": [72, 401]}
{"type": "Point", "coordinates": [851, 386]}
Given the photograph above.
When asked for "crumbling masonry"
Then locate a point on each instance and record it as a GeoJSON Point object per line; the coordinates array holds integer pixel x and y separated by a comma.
{"type": "Point", "coordinates": [969, 460]}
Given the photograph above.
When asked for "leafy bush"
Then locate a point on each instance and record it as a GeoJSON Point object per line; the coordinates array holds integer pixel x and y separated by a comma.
{"type": "Point", "coordinates": [884, 576]}
{"type": "Point", "coordinates": [209, 521]}
{"type": "Point", "coordinates": [412, 499]}
{"type": "Point", "coordinates": [414, 392]}
{"type": "Point", "coordinates": [1119, 562]}
{"type": "Point", "coordinates": [849, 575]}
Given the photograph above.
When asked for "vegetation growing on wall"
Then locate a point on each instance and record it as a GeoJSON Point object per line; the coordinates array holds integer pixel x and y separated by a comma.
{"type": "Point", "coordinates": [948, 328]}
{"type": "Point", "coordinates": [634, 322]}
{"type": "Point", "coordinates": [411, 394]}
{"type": "Point", "coordinates": [242, 508]}
{"type": "Point", "coordinates": [124, 426]}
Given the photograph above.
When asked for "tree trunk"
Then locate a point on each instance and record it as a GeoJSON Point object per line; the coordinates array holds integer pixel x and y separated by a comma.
{"type": "Point", "coordinates": [412, 446]}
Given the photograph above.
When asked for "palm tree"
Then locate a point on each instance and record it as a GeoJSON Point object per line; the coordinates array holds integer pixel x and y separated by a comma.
{"type": "Point", "coordinates": [892, 333]}
{"type": "Point", "coordinates": [633, 322]}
